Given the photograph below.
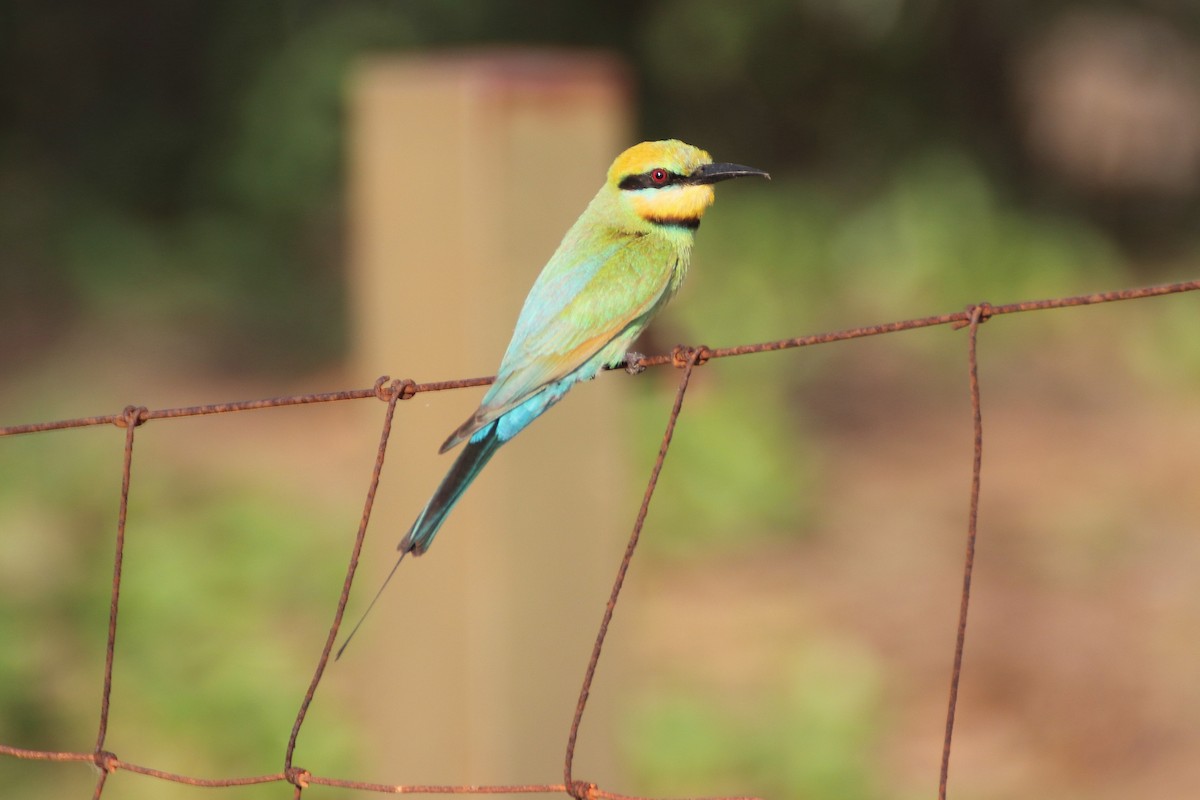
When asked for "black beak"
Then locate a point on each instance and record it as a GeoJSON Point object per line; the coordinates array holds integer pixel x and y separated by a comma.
{"type": "Point", "coordinates": [715, 173]}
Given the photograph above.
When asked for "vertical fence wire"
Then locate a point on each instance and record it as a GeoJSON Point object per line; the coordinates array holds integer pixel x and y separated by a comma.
{"type": "Point", "coordinates": [391, 394]}
{"type": "Point", "coordinates": [130, 419]}
{"type": "Point", "coordinates": [978, 315]}
{"type": "Point", "coordinates": [688, 359]}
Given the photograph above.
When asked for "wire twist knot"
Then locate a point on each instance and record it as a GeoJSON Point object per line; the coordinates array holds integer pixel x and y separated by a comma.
{"type": "Point", "coordinates": [105, 761]}
{"type": "Point", "coordinates": [583, 790]}
{"type": "Point", "coordinates": [401, 388]}
{"type": "Point", "coordinates": [980, 312]}
{"type": "Point", "coordinates": [297, 776]}
{"type": "Point", "coordinates": [684, 354]}
{"type": "Point", "coordinates": [131, 417]}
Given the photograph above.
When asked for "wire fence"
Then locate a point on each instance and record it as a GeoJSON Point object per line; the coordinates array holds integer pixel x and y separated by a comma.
{"type": "Point", "coordinates": [391, 391]}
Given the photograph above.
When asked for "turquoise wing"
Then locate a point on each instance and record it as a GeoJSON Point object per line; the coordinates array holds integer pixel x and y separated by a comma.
{"type": "Point", "coordinates": [573, 312]}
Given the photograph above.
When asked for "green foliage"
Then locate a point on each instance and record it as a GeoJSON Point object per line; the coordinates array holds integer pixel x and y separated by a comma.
{"type": "Point", "coordinates": [934, 236]}
{"type": "Point", "coordinates": [939, 237]}
{"type": "Point", "coordinates": [793, 258]}
{"type": "Point", "coordinates": [226, 589]}
{"type": "Point", "coordinates": [114, 259]}
{"type": "Point", "coordinates": [285, 159]}
{"type": "Point", "coordinates": [738, 468]}
{"type": "Point", "coordinates": [243, 245]}
{"type": "Point", "coordinates": [810, 732]}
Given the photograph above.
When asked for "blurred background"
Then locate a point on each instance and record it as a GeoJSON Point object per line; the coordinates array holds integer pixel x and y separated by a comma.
{"type": "Point", "coordinates": [176, 228]}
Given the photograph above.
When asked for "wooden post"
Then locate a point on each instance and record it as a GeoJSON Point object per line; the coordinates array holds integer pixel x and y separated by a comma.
{"type": "Point", "coordinates": [466, 170]}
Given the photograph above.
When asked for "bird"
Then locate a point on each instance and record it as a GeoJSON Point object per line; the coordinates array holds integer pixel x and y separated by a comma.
{"type": "Point", "coordinates": [615, 269]}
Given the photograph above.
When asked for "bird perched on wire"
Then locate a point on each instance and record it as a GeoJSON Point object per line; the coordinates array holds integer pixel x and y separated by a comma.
{"type": "Point", "coordinates": [617, 266]}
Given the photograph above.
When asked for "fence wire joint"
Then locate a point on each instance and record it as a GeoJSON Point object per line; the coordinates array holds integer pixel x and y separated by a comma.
{"type": "Point", "coordinates": [684, 354]}
{"type": "Point", "coordinates": [981, 311]}
{"type": "Point", "coordinates": [105, 761]}
{"type": "Point", "coordinates": [583, 790]}
{"type": "Point", "coordinates": [402, 388]}
{"type": "Point", "coordinates": [297, 776]}
{"type": "Point", "coordinates": [131, 417]}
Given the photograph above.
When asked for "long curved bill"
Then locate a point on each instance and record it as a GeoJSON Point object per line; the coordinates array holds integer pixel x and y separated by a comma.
{"type": "Point", "coordinates": [715, 173]}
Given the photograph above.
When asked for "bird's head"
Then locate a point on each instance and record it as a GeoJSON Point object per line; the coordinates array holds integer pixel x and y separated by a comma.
{"type": "Point", "coordinates": [669, 183]}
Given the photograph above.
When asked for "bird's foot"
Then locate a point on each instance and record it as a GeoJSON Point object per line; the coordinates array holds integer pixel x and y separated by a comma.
{"type": "Point", "coordinates": [633, 363]}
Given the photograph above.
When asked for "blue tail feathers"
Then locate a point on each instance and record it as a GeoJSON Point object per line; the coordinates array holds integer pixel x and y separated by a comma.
{"type": "Point", "coordinates": [478, 451]}
{"type": "Point", "coordinates": [475, 455]}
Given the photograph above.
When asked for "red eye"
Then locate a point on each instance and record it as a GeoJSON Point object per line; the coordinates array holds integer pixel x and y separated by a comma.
{"type": "Point", "coordinates": [659, 176]}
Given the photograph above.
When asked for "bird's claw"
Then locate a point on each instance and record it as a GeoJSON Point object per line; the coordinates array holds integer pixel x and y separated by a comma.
{"type": "Point", "coordinates": [633, 363]}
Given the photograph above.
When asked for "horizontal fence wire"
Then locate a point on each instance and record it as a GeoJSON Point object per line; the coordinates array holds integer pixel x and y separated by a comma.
{"type": "Point", "coordinates": [391, 392]}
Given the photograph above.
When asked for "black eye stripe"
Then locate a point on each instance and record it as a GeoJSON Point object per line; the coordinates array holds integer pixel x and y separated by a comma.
{"type": "Point", "coordinates": [645, 180]}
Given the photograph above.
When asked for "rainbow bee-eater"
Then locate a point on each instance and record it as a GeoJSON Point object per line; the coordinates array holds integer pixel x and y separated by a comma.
{"type": "Point", "coordinates": [616, 267]}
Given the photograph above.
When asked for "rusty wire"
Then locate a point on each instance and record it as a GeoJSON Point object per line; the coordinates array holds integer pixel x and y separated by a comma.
{"type": "Point", "coordinates": [688, 358]}
{"type": "Point", "coordinates": [978, 314]}
{"type": "Point", "coordinates": [395, 391]}
{"type": "Point", "coordinates": [392, 391]}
